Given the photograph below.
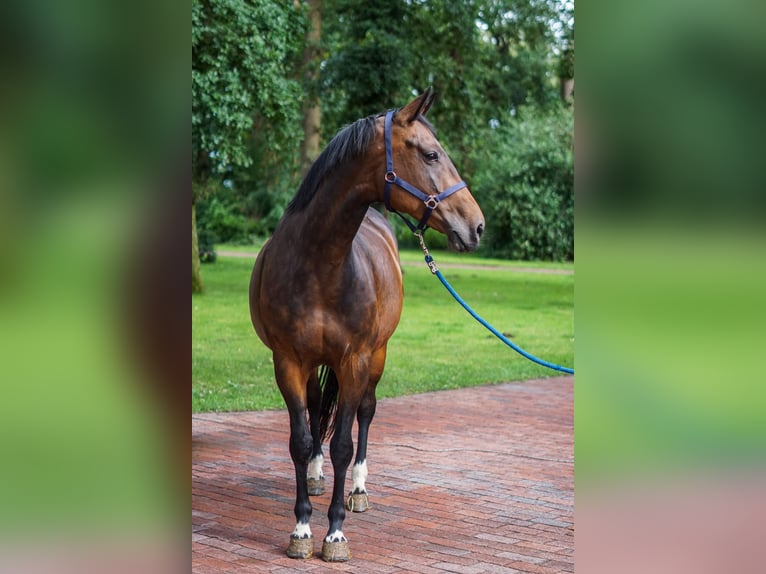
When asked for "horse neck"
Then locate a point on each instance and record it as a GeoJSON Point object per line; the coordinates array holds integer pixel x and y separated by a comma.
{"type": "Point", "coordinates": [331, 221]}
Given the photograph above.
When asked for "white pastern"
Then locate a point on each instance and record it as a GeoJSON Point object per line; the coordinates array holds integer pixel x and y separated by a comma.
{"type": "Point", "coordinates": [336, 536]}
{"type": "Point", "coordinates": [315, 467]}
{"type": "Point", "coordinates": [302, 530]}
{"type": "Point", "coordinates": [359, 476]}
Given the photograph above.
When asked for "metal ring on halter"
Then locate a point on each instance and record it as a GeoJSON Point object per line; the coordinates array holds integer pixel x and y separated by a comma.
{"type": "Point", "coordinates": [431, 202]}
{"type": "Point", "coordinates": [390, 176]}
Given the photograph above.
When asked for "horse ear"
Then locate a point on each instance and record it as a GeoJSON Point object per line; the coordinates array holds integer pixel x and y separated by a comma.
{"type": "Point", "coordinates": [418, 106]}
{"type": "Point", "coordinates": [429, 100]}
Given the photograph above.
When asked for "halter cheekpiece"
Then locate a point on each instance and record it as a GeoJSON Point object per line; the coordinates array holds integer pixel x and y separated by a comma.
{"type": "Point", "coordinates": [431, 201]}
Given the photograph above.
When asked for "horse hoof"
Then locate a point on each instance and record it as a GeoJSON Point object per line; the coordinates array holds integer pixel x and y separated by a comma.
{"type": "Point", "coordinates": [301, 547]}
{"type": "Point", "coordinates": [316, 486]}
{"type": "Point", "coordinates": [336, 551]}
{"type": "Point", "coordinates": [358, 502]}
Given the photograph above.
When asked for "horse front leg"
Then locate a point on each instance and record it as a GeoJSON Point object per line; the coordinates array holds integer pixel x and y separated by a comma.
{"type": "Point", "coordinates": [301, 539]}
{"type": "Point", "coordinates": [292, 384]}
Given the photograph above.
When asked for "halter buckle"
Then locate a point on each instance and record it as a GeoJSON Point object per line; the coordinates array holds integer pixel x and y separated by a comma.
{"type": "Point", "coordinates": [429, 260]}
{"type": "Point", "coordinates": [431, 201]}
{"type": "Point", "coordinates": [390, 176]}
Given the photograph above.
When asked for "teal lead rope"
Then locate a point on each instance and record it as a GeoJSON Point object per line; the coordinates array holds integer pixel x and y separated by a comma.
{"type": "Point", "coordinates": [435, 270]}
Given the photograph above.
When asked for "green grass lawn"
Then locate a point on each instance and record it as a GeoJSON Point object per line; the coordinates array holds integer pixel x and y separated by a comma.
{"type": "Point", "coordinates": [436, 346]}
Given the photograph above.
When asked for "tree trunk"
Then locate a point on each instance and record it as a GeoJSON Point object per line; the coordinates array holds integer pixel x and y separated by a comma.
{"type": "Point", "coordinates": [567, 89]}
{"type": "Point", "coordinates": [310, 66]}
{"type": "Point", "coordinates": [197, 286]}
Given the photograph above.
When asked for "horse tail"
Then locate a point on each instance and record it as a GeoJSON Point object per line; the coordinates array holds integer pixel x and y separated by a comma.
{"type": "Point", "coordinates": [328, 381]}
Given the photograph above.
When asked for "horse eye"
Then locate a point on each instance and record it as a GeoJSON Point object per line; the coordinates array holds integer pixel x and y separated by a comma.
{"type": "Point", "coordinates": [432, 156]}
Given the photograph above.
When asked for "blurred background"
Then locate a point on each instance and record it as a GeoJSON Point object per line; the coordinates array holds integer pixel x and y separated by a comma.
{"type": "Point", "coordinates": [671, 271]}
{"type": "Point", "coordinates": [94, 105]}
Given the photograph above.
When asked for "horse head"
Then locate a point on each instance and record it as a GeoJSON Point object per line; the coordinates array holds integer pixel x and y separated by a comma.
{"type": "Point", "coordinates": [422, 181]}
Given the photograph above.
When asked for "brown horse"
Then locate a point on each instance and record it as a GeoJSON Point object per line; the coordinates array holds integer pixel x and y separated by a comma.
{"type": "Point", "coordinates": [326, 293]}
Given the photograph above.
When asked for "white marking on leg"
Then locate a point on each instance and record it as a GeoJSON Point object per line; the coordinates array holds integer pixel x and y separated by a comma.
{"type": "Point", "coordinates": [359, 476]}
{"type": "Point", "coordinates": [315, 467]}
{"type": "Point", "coordinates": [302, 530]}
{"type": "Point", "coordinates": [336, 536]}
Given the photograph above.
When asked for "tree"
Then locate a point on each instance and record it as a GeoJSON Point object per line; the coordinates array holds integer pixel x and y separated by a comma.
{"type": "Point", "coordinates": [242, 53]}
{"type": "Point", "coordinates": [522, 34]}
{"type": "Point", "coordinates": [446, 37]}
{"type": "Point", "coordinates": [197, 285]}
{"type": "Point", "coordinates": [370, 61]}
{"type": "Point", "coordinates": [310, 67]}
{"type": "Point", "coordinates": [484, 58]}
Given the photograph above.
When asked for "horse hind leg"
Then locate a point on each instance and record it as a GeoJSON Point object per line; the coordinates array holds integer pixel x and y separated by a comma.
{"type": "Point", "coordinates": [358, 499]}
{"type": "Point", "coordinates": [315, 475]}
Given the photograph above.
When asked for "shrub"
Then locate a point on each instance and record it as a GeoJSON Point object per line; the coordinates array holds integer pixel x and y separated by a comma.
{"type": "Point", "coordinates": [221, 217]}
{"type": "Point", "coordinates": [206, 242]}
{"type": "Point", "coordinates": [524, 182]}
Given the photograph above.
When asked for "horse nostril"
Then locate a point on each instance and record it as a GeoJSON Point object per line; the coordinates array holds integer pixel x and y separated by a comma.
{"type": "Point", "coordinates": [480, 229]}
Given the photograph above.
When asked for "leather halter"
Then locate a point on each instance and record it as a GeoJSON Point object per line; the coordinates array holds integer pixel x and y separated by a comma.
{"type": "Point", "coordinates": [431, 201]}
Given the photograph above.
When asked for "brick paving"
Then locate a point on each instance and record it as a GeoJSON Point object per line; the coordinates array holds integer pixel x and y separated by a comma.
{"type": "Point", "coordinates": [469, 481]}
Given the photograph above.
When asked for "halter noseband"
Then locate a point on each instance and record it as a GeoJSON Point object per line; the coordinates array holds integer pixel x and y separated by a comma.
{"type": "Point", "coordinates": [431, 201]}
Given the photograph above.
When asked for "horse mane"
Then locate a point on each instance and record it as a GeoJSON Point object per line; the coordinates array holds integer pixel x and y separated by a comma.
{"type": "Point", "coordinates": [349, 143]}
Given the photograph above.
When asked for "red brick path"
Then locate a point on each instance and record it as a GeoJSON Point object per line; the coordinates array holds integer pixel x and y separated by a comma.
{"type": "Point", "coordinates": [472, 480]}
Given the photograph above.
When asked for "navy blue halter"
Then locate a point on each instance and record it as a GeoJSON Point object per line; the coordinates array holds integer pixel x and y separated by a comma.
{"type": "Point", "coordinates": [431, 201]}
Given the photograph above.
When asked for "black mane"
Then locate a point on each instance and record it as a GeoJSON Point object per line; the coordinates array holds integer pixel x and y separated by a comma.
{"type": "Point", "coordinates": [349, 143]}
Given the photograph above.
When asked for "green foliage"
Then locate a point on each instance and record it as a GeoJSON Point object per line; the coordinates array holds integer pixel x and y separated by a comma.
{"type": "Point", "coordinates": [219, 220]}
{"type": "Point", "coordinates": [368, 65]}
{"type": "Point", "coordinates": [233, 370]}
{"type": "Point", "coordinates": [523, 43]}
{"type": "Point", "coordinates": [245, 114]}
{"type": "Point", "coordinates": [525, 183]}
{"type": "Point", "coordinates": [242, 57]}
{"type": "Point", "coordinates": [446, 39]}
{"type": "Point", "coordinates": [483, 58]}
